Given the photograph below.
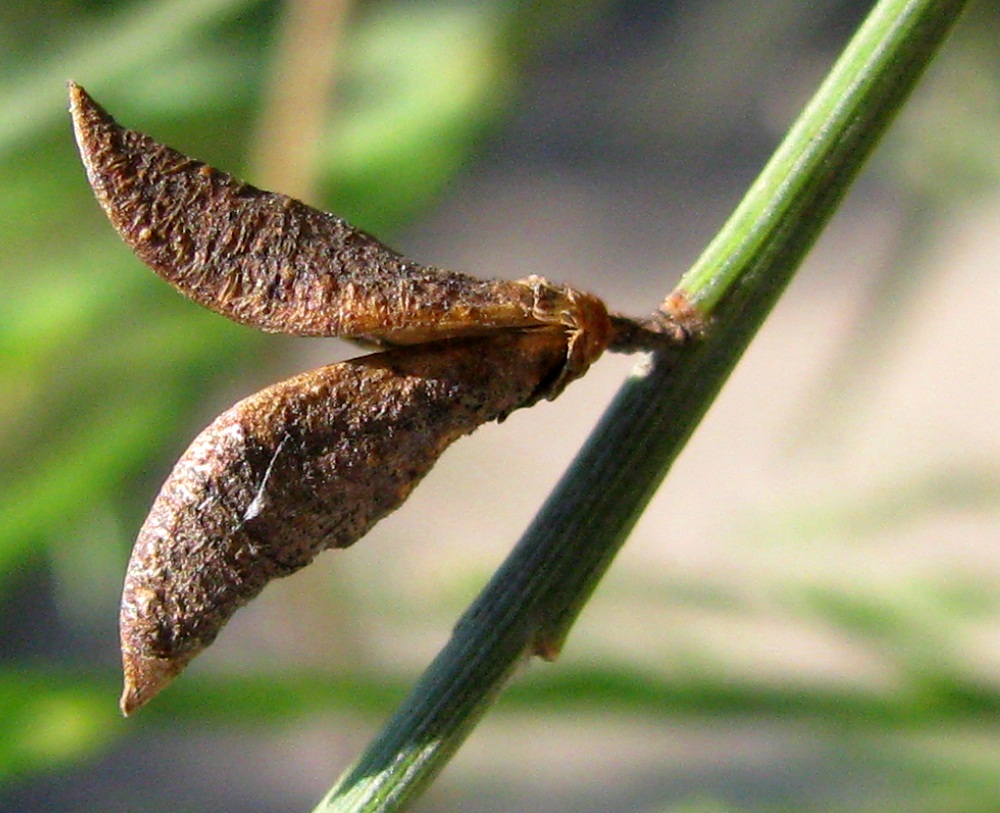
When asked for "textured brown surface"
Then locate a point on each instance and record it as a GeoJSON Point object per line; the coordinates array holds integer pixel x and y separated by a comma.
{"type": "Point", "coordinates": [308, 464]}
{"type": "Point", "coordinates": [315, 461]}
{"type": "Point", "coordinates": [267, 260]}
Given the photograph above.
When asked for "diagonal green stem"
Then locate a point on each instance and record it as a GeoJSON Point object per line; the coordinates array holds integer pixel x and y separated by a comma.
{"type": "Point", "coordinates": [791, 200]}
{"type": "Point", "coordinates": [534, 598]}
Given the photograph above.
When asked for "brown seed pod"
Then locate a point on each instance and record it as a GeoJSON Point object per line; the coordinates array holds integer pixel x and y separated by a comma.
{"type": "Point", "coordinates": [307, 464]}
{"type": "Point", "coordinates": [315, 461]}
{"type": "Point", "coordinates": [267, 260]}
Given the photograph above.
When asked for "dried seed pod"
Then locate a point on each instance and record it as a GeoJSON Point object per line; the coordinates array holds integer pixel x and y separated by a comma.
{"type": "Point", "coordinates": [307, 464]}
{"type": "Point", "coordinates": [269, 261]}
{"type": "Point", "coordinates": [315, 461]}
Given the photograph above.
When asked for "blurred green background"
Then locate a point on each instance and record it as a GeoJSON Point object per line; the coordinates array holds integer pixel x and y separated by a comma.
{"type": "Point", "coordinates": [809, 616]}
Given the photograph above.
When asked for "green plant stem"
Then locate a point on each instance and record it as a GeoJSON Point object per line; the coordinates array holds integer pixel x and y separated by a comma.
{"type": "Point", "coordinates": [796, 193]}
{"type": "Point", "coordinates": [533, 599]}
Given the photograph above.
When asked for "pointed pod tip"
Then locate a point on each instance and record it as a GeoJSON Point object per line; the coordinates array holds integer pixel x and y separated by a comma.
{"type": "Point", "coordinates": [78, 99]}
{"type": "Point", "coordinates": [89, 118]}
{"type": "Point", "coordinates": [144, 679]}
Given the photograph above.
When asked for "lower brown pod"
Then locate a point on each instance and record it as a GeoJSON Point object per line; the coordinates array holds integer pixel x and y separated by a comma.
{"type": "Point", "coordinates": [307, 464]}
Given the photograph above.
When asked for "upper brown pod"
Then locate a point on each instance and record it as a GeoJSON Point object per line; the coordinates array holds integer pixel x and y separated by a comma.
{"type": "Point", "coordinates": [267, 260]}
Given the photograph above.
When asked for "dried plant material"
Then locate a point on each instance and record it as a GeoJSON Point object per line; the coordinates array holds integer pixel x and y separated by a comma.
{"type": "Point", "coordinates": [307, 464]}
{"type": "Point", "coordinates": [315, 461]}
{"type": "Point", "coordinates": [269, 261]}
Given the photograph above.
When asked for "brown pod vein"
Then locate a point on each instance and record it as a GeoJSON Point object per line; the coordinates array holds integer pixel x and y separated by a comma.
{"type": "Point", "coordinates": [307, 464]}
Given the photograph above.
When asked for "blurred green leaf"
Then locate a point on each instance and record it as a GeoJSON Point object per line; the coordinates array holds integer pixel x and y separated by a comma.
{"type": "Point", "coordinates": [100, 48]}
{"type": "Point", "coordinates": [50, 723]}
{"type": "Point", "coordinates": [418, 89]}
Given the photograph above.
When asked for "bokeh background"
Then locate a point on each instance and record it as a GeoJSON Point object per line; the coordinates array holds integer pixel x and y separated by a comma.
{"type": "Point", "coordinates": [808, 616]}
